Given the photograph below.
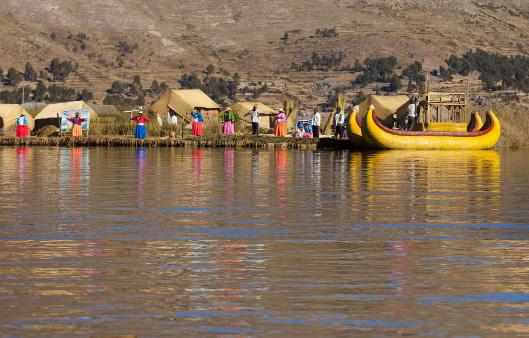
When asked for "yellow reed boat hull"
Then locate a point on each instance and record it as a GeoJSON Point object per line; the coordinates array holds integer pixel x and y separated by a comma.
{"type": "Point", "coordinates": [354, 131]}
{"type": "Point", "coordinates": [386, 138]}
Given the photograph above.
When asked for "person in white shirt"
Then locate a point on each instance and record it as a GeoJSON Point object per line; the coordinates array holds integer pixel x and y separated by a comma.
{"type": "Point", "coordinates": [172, 119]}
{"type": "Point", "coordinates": [316, 122]}
{"type": "Point", "coordinates": [412, 115]}
{"type": "Point", "coordinates": [339, 123]}
{"type": "Point", "coordinates": [255, 113]}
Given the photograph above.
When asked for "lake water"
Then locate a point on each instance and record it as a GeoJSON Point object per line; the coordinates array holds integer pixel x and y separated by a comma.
{"type": "Point", "coordinates": [241, 243]}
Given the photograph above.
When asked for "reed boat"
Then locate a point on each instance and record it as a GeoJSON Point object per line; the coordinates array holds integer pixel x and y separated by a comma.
{"type": "Point", "coordinates": [359, 141]}
{"type": "Point", "coordinates": [354, 131]}
{"type": "Point", "coordinates": [382, 137]}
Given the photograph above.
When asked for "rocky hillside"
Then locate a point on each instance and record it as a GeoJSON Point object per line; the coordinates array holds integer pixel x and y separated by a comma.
{"type": "Point", "coordinates": [259, 40]}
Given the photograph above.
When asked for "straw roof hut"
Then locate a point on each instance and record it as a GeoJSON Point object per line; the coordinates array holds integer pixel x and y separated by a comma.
{"type": "Point", "coordinates": [386, 106]}
{"type": "Point", "coordinates": [184, 101]}
{"type": "Point", "coordinates": [9, 114]}
{"type": "Point", "coordinates": [241, 108]}
{"type": "Point", "coordinates": [106, 110]}
{"type": "Point", "coordinates": [51, 114]}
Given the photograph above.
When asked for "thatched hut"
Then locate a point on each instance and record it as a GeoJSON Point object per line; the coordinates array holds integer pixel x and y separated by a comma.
{"type": "Point", "coordinates": [51, 115]}
{"type": "Point", "coordinates": [386, 106]}
{"type": "Point", "coordinates": [8, 116]}
{"type": "Point", "coordinates": [241, 108]}
{"type": "Point", "coordinates": [107, 110]}
{"type": "Point", "coordinates": [183, 102]}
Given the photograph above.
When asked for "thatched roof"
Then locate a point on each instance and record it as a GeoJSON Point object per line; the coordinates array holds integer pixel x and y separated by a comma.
{"type": "Point", "coordinates": [52, 110]}
{"type": "Point", "coordinates": [9, 114]}
{"type": "Point", "coordinates": [183, 102]}
{"type": "Point", "coordinates": [106, 110]}
{"type": "Point", "coordinates": [386, 106]}
{"type": "Point", "coordinates": [241, 108]}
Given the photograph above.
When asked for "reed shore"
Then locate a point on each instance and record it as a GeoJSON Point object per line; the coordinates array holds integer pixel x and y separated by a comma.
{"type": "Point", "coordinates": [262, 142]}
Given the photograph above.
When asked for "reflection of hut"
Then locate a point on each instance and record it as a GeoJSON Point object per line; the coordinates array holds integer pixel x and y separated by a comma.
{"type": "Point", "coordinates": [9, 114]}
{"type": "Point", "coordinates": [51, 115]}
{"type": "Point", "coordinates": [386, 106]}
{"type": "Point", "coordinates": [183, 102]}
{"type": "Point", "coordinates": [241, 108]}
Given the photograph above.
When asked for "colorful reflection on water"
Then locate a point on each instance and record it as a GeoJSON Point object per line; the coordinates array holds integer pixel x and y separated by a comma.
{"type": "Point", "coordinates": [165, 242]}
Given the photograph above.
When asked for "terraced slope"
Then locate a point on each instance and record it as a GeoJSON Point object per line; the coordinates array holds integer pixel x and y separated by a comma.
{"type": "Point", "coordinates": [174, 37]}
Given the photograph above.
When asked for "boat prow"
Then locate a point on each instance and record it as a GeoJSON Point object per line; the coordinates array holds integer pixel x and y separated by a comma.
{"type": "Point", "coordinates": [476, 123]}
{"type": "Point", "coordinates": [354, 131]}
{"type": "Point", "coordinates": [386, 138]}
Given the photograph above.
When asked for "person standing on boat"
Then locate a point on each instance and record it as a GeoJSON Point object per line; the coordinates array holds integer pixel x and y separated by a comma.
{"type": "Point", "coordinates": [141, 131]}
{"type": "Point", "coordinates": [316, 122]}
{"type": "Point", "coordinates": [339, 123]}
{"type": "Point", "coordinates": [196, 127]}
{"type": "Point", "coordinates": [412, 115]}
{"type": "Point", "coordinates": [281, 124]}
{"type": "Point", "coordinates": [77, 130]}
{"type": "Point", "coordinates": [229, 120]}
{"type": "Point", "coordinates": [254, 113]}
{"type": "Point", "coordinates": [1, 127]}
{"type": "Point", "coordinates": [22, 129]}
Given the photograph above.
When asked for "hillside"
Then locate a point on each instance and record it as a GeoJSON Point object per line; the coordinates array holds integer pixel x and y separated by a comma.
{"type": "Point", "coordinates": [174, 38]}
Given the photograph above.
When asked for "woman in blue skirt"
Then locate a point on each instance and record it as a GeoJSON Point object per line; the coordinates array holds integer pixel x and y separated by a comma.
{"type": "Point", "coordinates": [141, 131]}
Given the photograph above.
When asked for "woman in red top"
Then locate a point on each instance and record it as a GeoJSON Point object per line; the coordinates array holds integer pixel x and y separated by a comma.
{"type": "Point", "coordinates": [77, 131]}
{"type": "Point", "coordinates": [141, 131]}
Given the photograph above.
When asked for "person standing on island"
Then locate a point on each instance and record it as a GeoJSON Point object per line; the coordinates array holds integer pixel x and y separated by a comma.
{"type": "Point", "coordinates": [196, 127]}
{"type": "Point", "coordinates": [339, 123]}
{"type": "Point", "coordinates": [141, 131]}
{"type": "Point", "coordinates": [77, 130]}
{"type": "Point", "coordinates": [22, 129]}
{"type": "Point", "coordinates": [172, 119]}
{"type": "Point", "coordinates": [281, 124]}
{"type": "Point", "coordinates": [316, 122]}
{"type": "Point", "coordinates": [255, 120]}
{"type": "Point", "coordinates": [229, 120]}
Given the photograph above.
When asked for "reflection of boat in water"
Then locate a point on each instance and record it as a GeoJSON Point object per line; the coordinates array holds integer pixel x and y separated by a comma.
{"type": "Point", "coordinates": [447, 186]}
{"type": "Point", "coordinates": [386, 138]}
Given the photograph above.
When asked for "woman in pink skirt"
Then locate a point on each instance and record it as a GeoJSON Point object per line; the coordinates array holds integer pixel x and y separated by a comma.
{"type": "Point", "coordinates": [229, 125]}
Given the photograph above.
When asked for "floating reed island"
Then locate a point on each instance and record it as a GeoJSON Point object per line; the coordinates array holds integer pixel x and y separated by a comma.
{"type": "Point", "coordinates": [262, 142]}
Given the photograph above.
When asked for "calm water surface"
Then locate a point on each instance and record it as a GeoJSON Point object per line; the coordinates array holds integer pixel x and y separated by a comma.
{"type": "Point", "coordinates": [206, 243]}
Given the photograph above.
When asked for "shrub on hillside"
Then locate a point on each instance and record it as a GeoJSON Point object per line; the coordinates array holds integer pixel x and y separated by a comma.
{"type": "Point", "coordinates": [217, 87]}
{"type": "Point", "coordinates": [497, 72]}
{"type": "Point", "coordinates": [377, 70]}
{"type": "Point", "coordinates": [326, 32]}
{"type": "Point", "coordinates": [324, 62]}
{"type": "Point", "coordinates": [13, 77]}
{"type": "Point", "coordinates": [60, 69]}
{"type": "Point", "coordinates": [29, 73]}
